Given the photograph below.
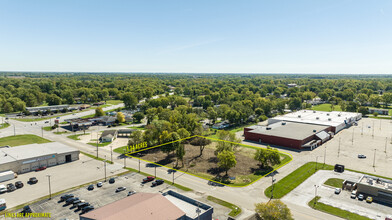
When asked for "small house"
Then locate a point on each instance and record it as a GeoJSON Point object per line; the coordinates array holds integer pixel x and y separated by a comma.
{"type": "Point", "coordinates": [108, 136]}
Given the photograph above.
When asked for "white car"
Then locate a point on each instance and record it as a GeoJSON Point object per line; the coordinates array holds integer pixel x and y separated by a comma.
{"type": "Point", "coordinates": [338, 190]}
{"type": "Point", "coordinates": [353, 195]}
{"type": "Point", "coordinates": [3, 189]}
{"type": "Point", "coordinates": [99, 184]}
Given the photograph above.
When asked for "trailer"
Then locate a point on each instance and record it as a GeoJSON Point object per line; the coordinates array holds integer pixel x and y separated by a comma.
{"type": "Point", "coordinates": [7, 175]}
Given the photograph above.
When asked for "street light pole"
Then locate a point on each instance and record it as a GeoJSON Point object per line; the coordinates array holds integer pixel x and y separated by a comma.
{"type": "Point", "coordinates": [315, 193]}
{"type": "Point", "coordinates": [155, 166]}
{"type": "Point", "coordinates": [42, 131]}
{"type": "Point", "coordinates": [272, 190]}
{"type": "Point", "coordinates": [97, 140]}
{"type": "Point", "coordinates": [111, 153]}
{"type": "Point", "coordinates": [374, 159]}
{"type": "Point", "coordinates": [316, 163]}
{"type": "Point", "coordinates": [386, 143]}
{"type": "Point", "coordinates": [50, 192]}
{"type": "Point", "coordinates": [105, 167]}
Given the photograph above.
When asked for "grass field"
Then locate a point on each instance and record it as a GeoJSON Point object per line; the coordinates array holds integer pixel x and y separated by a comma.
{"type": "Point", "coordinates": [294, 179]}
{"type": "Point", "coordinates": [22, 140]}
{"type": "Point", "coordinates": [99, 144]}
{"type": "Point", "coordinates": [76, 136]}
{"type": "Point", "coordinates": [235, 210]}
{"type": "Point", "coordinates": [334, 182]}
{"type": "Point", "coordinates": [326, 108]}
{"type": "Point", "coordinates": [334, 211]}
{"type": "Point", "coordinates": [48, 128]}
{"type": "Point", "coordinates": [114, 102]}
{"type": "Point", "coordinates": [5, 125]}
{"type": "Point", "coordinates": [120, 150]}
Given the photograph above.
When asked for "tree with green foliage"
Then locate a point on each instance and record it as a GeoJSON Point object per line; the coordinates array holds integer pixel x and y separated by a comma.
{"type": "Point", "coordinates": [201, 142]}
{"type": "Point", "coordinates": [150, 114]}
{"type": "Point", "coordinates": [138, 116]}
{"type": "Point", "coordinates": [212, 115]}
{"type": "Point", "coordinates": [130, 101]}
{"type": "Point", "coordinates": [226, 160]}
{"type": "Point", "coordinates": [273, 210]}
{"type": "Point", "coordinates": [363, 110]}
{"type": "Point", "coordinates": [387, 99]}
{"type": "Point", "coordinates": [295, 103]}
{"type": "Point", "coordinates": [180, 153]}
{"type": "Point", "coordinates": [120, 117]}
{"type": "Point", "coordinates": [99, 112]}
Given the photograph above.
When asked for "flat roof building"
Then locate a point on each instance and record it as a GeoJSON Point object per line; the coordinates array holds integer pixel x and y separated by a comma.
{"type": "Point", "coordinates": [25, 158]}
{"type": "Point", "coordinates": [380, 189]}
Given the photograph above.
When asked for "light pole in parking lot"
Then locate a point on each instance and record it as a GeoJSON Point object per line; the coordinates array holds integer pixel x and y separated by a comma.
{"type": "Point", "coordinates": [155, 166]}
{"type": "Point", "coordinates": [111, 153]}
{"type": "Point", "coordinates": [50, 192]}
{"type": "Point", "coordinates": [272, 190]}
{"type": "Point", "coordinates": [125, 161]}
{"type": "Point", "coordinates": [138, 154]}
{"type": "Point", "coordinates": [315, 193]}
{"type": "Point", "coordinates": [374, 159]}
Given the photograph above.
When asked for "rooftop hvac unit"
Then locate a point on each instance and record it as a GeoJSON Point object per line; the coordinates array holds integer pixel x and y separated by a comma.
{"type": "Point", "coordinates": [299, 116]}
{"type": "Point", "coordinates": [268, 128]}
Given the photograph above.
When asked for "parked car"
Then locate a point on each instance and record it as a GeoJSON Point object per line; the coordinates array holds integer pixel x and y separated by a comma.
{"type": "Point", "coordinates": [99, 184]}
{"type": "Point", "coordinates": [26, 209]}
{"type": "Point", "coordinates": [87, 209]}
{"type": "Point", "coordinates": [70, 200]}
{"type": "Point", "coordinates": [369, 199]}
{"type": "Point", "coordinates": [360, 197]}
{"type": "Point", "coordinates": [65, 197]}
{"type": "Point", "coordinates": [19, 184]}
{"type": "Point", "coordinates": [148, 179]}
{"type": "Point", "coordinates": [121, 188]}
{"type": "Point", "coordinates": [157, 182]}
{"type": "Point", "coordinates": [361, 156]}
{"type": "Point", "coordinates": [353, 195]}
{"type": "Point", "coordinates": [338, 190]}
{"type": "Point", "coordinates": [75, 203]}
{"type": "Point", "coordinates": [131, 193]}
{"type": "Point", "coordinates": [112, 180]}
{"type": "Point", "coordinates": [40, 168]}
{"type": "Point", "coordinates": [11, 187]}
{"type": "Point", "coordinates": [3, 189]}
{"type": "Point", "coordinates": [90, 187]}
{"type": "Point", "coordinates": [46, 122]}
{"type": "Point", "coordinates": [82, 205]}
{"type": "Point", "coordinates": [33, 180]}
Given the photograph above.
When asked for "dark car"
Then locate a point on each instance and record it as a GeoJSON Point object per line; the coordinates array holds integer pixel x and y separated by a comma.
{"type": "Point", "coordinates": [75, 203]}
{"type": "Point", "coordinates": [70, 200]}
{"type": "Point", "coordinates": [157, 182]}
{"type": "Point", "coordinates": [26, 209]}
{"type": "Point", "coordinates": [148, 179]}
{"type": "Point", "coordinates": [19, 184]}
{"type": "Point", "coordinates": [40, 168]}
{"type": "Point", "coordinates": [361, 156]}
{"type": "Point", "coordinates": [10, 187]}
{"type": "Point", "coordinates": [65, 197]}
{"type": "Point", "coordinates": [90, 187]}
{"type": "Point", "coordinates": [121, 188]}
{"type": "Point", "coordinates": [112, 180]}
{"type": "Point", "coordinates": [82, 205]}
{"type": "Point", "coordinates": [87, 209]}
{"type": "Point", "coordinates": [33, 180]}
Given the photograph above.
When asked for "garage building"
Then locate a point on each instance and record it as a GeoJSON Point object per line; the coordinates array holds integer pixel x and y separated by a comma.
{"type": "Point", "coordinates": [289, 134]}
{"type": "Point", "coordinates": [26, 158]}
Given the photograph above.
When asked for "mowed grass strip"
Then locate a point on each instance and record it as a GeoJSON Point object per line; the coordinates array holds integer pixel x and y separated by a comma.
{"type": "Point", "coordinates": [294, 179]}
{"type": "Point", "coordinates": [334, 182]}
{"type": "Point", "coordinates": [335, 211]}
{"type": "Point", "coordinates": [235, 210]}
{"type": "Point", "coordinates": [326, 108]}
{"type": "Point", "coordinates": [76, 136]}
{"type": "Point", "coordinates": [22, 140]}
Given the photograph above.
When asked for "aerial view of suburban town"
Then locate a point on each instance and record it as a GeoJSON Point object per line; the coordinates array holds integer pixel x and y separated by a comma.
{"type": "Point", "coordinates": [195, 110]}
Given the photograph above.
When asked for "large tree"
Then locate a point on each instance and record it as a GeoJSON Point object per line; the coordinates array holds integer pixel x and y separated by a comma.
{"type": "Point", "coordinates": [201, 142]}
{"type": "Point", "coordinates": [226, 160]}
{"type": "Point", "coordinates": [273, 210]}
{"type": "Point", "coordinates": [130, 101]}
{"type": "Point", "coordinates": [99, 112]}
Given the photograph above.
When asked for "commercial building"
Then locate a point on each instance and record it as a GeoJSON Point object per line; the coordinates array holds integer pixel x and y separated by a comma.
{"type": "Point", "coordinates": [108, 136]}
{"type": "Point", "coordinates": [289, 134]}
{"type": "Point", "coordinates": [26, 158]}
{"type": "Point", "coordinates": [169, 205]}
{"type": "Point", "coordinates": [379, 111]}
{"type": "Point", "coordinates": [378, 188]}
{"type": "Point", "coordinates": [337, 120]}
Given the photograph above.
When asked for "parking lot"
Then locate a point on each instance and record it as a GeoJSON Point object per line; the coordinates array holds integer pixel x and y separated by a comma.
{"type": "Point", "coordinates": [106, 194]}
{"type": "Point", "coordinates": [62, 177]}
{"type": "Point", "coordinates": [307, 191]}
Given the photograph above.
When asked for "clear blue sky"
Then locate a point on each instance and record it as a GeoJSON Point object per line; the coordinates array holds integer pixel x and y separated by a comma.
{"type": "Point", "coordinates": [270, 36]}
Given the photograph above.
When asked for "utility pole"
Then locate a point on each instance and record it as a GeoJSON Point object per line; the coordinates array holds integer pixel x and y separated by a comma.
{"type": "Point", "coordinates": [50, 192]}
{"type": "Point", "coordinates": [42, 131]}
{"type": "Point", "coordinates": [111, 153]}
{"type": "Point", "coordinates": [97, 140]}
{"type": "Point", "coordinates": [173, 173]}
{"type": "Point", "coordinates": [386, 143]}
{"type": "Point", "coordinates": [374, 159]}
{"type": "Point", "coordinates": [155, 166]}
{"type": "Point", "coordinates": [315, 193]}
{"type": "Point", "coordinates": [105, 167]}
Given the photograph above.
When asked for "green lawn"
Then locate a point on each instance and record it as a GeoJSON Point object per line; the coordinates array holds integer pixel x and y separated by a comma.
{"type": "Point", "coordinates": [5, 125]}
{"type": "Point", "coordinates": [120, 150]}
{"type": "Point", "coordinates": [114, 102]}
{"type": "Point", "coordinates": [60, 132]}
{"type": "Point", "coordinates": [76, 136]}
{"type": "Point", "coordinates": [99, 144]}
{"type": "Point", "coordinates": [294, 179]}
{"type": "Point", "coordinates": [22, 140]}
{"type": "Point", "coordinates": [334, 182]}
{"type": "Point", "coordinates": [94, 157]}
{"type": "Point", "coordinates": [138, 128]}
{"type": "Point", "coordinates": [335, 211]}
{"type": "Point", "coordinates": [49, 128]}
{"type": "Point", "coordinates": [326, 107]}
{"type": "Point", "coordinates": [235, 210]}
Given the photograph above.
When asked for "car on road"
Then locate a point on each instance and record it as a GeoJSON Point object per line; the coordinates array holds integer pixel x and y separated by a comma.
{"type": "Point", "coordinates": [148, 179]}
{"type": "Point", "coordinates": [33, 180]}
{"type": "Point", "coordinates": [130, 193]}
{"type": "Point", "coordinates": [87, 209]}
{"type": "Point", "coordinates": [360, 197]}
{"type": "Point", "coordinates": [121, 188]}
{"type": "Point", "coordinates": [361, 156]}
{"type": "Point", "coordinates": [157, 183]}
{"type": "Point", "coordinates": [11, 187]}
{"type": "Point", "coordinates": [46, 122]}
{"type": "Point", "coordinates": [41, 168]}
{"type": "Point", "coordinates": [353, 195]}
{"type": "Point", "coordinates": [65, 197]}
{"type": "Point", "coordinates": [369, 199]}
{"type": "Point", "coordinates": [90, 187]}
{"type": "Point", "coordinates": [338, 190]}
{"type": "Point", "coordinates": [99, 184]}
{"type": "Point", "coordinates": [112, 180]}
{"type": "Point", "coordinates": [19, 184]}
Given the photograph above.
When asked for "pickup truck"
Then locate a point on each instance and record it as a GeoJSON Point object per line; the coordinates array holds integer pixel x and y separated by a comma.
{"type": "Point", "coordinates": [3, 189]}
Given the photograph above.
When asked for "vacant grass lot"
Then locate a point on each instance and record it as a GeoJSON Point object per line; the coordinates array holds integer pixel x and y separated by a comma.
{"type": "Point", "coordinates": [294, 179]}
{"type": "Point", "coordinates": [334, 182]}
{"type": "Point", "coordinates": [5, 125]}
{"type": "Point", "coordinates": [76, 136]}
{"type": "Point", "coordinates": [114, 102]}
{"type": "Point", "coordinates": [22, 140]}
{"type": "Point", "coordinates": [326, 107]}
{"type": "Point", "coordinates": [335, 211]}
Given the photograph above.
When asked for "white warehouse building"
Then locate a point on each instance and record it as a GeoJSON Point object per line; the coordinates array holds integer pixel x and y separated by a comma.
{"type": "Point", "coordinates": [26, 158]}
{"type": "Point", "coordinates": [337, 120]}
